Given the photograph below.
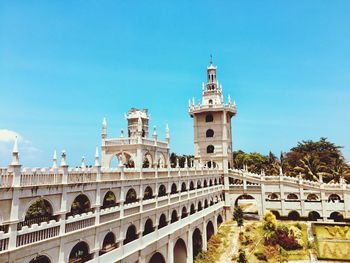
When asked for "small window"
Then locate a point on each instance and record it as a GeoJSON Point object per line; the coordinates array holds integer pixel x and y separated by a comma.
{"type": "Point", "coordinates": [209, 118]}
{"type": "Point", "coordinates": [210, 133]}
{"type": "Point", "coordinates": [210, 149]}
{"type": "Point", "coordinates": [210, 101]}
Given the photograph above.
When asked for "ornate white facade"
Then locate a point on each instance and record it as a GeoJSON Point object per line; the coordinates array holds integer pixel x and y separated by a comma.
{"type": "Point", "coordinates": [144, 210]}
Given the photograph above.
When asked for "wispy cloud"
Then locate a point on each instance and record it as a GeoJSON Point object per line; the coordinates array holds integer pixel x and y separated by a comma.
{"type": "Point", "coordinates": [26, 147]}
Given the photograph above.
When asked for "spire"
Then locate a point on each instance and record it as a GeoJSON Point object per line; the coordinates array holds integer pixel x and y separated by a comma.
{"type": "Point", "coordinates": [83, 166]}
{"type": "Point", "coordinates": [54, 160]}
{"type": "Point", "coordinates": [104, 128]}
{"type": "Point", "coordinates": [97, 157]}
{"type": "Point", "coordinates": [167, 133]}
{"type": "Point", "coordinates": [155, 132]}
{"type": "Point", "coordinates": [177, 163]}
{"type": "Point", "coordinates": [63, 158]}
{"type": "Point", "coordinates": [229, 99]}
{"type": "Point", "coordinates": [121, 133]}
{"type": "Point", "coordinates": [15, 153]}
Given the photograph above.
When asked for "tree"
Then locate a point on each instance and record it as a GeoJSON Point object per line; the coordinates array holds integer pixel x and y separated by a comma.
{"type": "Point", "coordinates": [238, 215]}
{"type": "Point", "coordinates": [270, 222]}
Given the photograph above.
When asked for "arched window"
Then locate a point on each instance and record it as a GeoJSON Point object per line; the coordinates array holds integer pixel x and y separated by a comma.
{"type": "Point", "coordinates": [131, 234]}
{"type": "Point", "coordinates": [210, 149]}
{"type": "Point", "coordinates": [162, 221]}
{"type": "Point", "coordinates": [272, 196]}
{"type": "Point", "coordinates": [215, 181]}
{"type": "Point", "coordinates": [292, 196]}
{"type": "Point", "coordinates": [334, 198]}
{"type": "Point", "coordinates": [40, 259]}
{"type": "Point", "coordinates": [210, 102]}
{"type": "Point", "coordinates": [173, 189]}
{"type": "Point", "coordinates": [210, 133]}
{"type": "Point", "coordinates": [192, 210]}
{"type": "Point", "coordinates": [191, 185]}
{"type": "Point", "coordinates": [199, 184]}
{"type": "Point", "coordinates": [183, 187]}
{"type": "Point", "coordinates": [205, 203]}
{"type": "Point", "coordinates": [108, 243]}
{"type": "Point", "coordinates": [131, 196]}
{"type": "Point", "coordinates": [80, 205]}
{"type": "Point", "coordinates": [79, 253]}
{"type": "Point", "coordinates": [312, 197]}
{"type": "Point", "coordinates": [39, 211]}
{"type": "Point", "coordinates": [174, 217]}
{"type": "Point", "coordinates": [209, 118]}
{"type": "Point", "coordinates": [161, 190]}
{"type": "Point", "coordinates": [199, 206]}
{"type": "Point", "coordinates": [109, 200]}
{"type": "Point", "coordinates": [184, 212]}
{"type": "Point", "coordinates": [148, 227]}
{"type": "Point", "coordinates": [148, 193]}
{"type": "Point", "coordinates": [205, 183]}
{"type": "Point", "coordinates": [210, 182]}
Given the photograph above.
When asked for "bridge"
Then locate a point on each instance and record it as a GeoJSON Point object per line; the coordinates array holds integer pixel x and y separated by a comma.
{"type": "Point", "coordinates": [289, 197]}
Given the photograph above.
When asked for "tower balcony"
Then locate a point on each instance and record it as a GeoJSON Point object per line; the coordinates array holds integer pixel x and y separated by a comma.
{"type": "Point", "coordinates": [199, 108]}
{"type": "Point", "coordinates": [134, 141]}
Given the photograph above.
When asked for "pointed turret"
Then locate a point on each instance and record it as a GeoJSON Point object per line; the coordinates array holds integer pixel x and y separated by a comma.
{"type": "Point", "coordinates": [63, 159]}
{"type": "Point", "coordinates": [83, 165]}
{"type": "Point", "coordinates": [167, 134]}
{"type": "Point", "coordinates": [54, 160]}
{"type": "Point", "coordinates": [97, 157]}
{"type": "Point", "coordinates": [155, 133]}
{"type": "Point", "coordinates": [104, 128]}
{"type": "Point", "coordinates": [15, 154]}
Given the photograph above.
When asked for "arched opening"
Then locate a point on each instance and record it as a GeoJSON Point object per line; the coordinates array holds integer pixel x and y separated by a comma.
{"type": "Point", "coordinates": [79, 253]}
{"type": "Point", "coordinates": [210, 149]}
{"type": "Point", "coordinates": [174, 217]}
{"type": "Point", "coordinates": [162, 221]}
{"type": "Point", "coordinates": [192, 209]}
{"type": "Point", "coordinates": [109, 200]}
{"type": "Point", "coordinates": [215, 181]}
{"type": "Point", "coordinates": [247, 203]}
{"type": "Point", "coordinates": [191, 185]}
{"type": "Point", "coordinates": [40, 259]}
{"type": "Point", "coordinates": [108, 243]}
{"type": "Point", "coordinates": [80, 205]}
{"type": "Point", "coordinates": [276, 213]}
{"type": "Point", "coordinates": [210, 230]}
{"type": "Point", "coordinates": [161, 161]}
{"type": "Point", "coordinates": [157, 258]}
{"type": "Point", "coordinates": [209, 118]}
{"type": "Point", "coordinates": [205, 183]}
{"type": "Point", "coordinates": [293, 215]}
{"type": "Point", "coordinates": [199, 206]}
{"type": "Point", "coordinates": [272, 197]}
{"type": "Point", "coordinates": [219, 220]}
{"type": "Point", "coordinates": [211, 202]}
{"type": "Point", "coordinates": [292, 197]}
{"type": "Point", "coordinates": [148, 194]}
{"type": "Point", "coordinates": [39, 211]}
{"type": "Point", "coordinates": [314, 216]}
{"type": "Point", "coordinates": [197, 242]}
{"type": "Point", "coordinates": [147, 161]}
{"type": "Point", "coordinates": [184, 212]}
{"type": "Point", "coordinates": [180, 251]}
{"type": "Point", "coordinates": [148, 227]}
{"type": "Point", "coordinates": [312, 198]}
{"type": "Point", "coordinates": [131, 234]}
{"type": "Point", "coordinates": [210, 102]}
{"type": "Point", "coordinates": [337, 217]}
{"type": "Point", "coordinates": [334, 198]}
{"type": "Point", "coordinates": [210, 133]}
{"type": "Point", "coordinates": [173, 189]}
{"type": "Point", "coordinates": [199, 184]}
{"type": "Point", "coordinates": [210, 182]}
{"type": "Point", "coordinates": [131, 196]}
{"type": "Point", "coordinates": [162, 190]}
{"type": "Point", "coordinates": [205, 203]}
{"type": "Point", "coordinates": [183, 187]}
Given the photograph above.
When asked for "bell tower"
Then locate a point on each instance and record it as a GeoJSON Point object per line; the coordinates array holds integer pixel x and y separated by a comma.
{"type": "Point", "coordinates": [212, 124]}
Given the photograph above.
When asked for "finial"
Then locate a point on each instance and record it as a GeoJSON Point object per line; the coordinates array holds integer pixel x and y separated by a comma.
{"type": "Point", "coordinates": [63, 158]}
{"type": "Point", "coordinates": [193, 101]}
{"type": "Point", "coordinates": [83, 166]}
{"type": "Point", "coordinates": [104, 122]}
{"type": "Point", "coordinates": [167, 132]}
{"type": "Point", "coordinates": [234, 103]}
{"type": "Point", "coordinates": [177, 163]}
{"type": "Point", "coordinates": [154, 131]}
{"type": "Point", "coordinates": [121, 133]}
{"type": "Point", "coordinates": [189, 102]}
{"type": "Point", "coordinates": [15, 155]}
{"type": "Point", "coordinates": [203, 86]}
{"type": "Point", "coordinates": [211, 59]}
{"type": "Point", "coordinates": [54, 160]}
{"type": "Point", "coordinates": [186, 163]}
{"type": "Point", "coordinates": [97, 157]}
{"type": "Point", "coordinates": [229, 99]}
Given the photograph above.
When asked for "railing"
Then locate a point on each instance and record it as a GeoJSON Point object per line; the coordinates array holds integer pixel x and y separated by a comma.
{"type": "Point", "coordinates": [4, 241]}
{"type": "Point", "coordinates": [39, 178]}
{"type": "Point", "coordinates": [80, 221]}
{"type": "Point", "coordinates": [5, 178]}
{"type": "Point", "coordinates": [37, 233]}
{"type": "Point", "coordinates": [81, 177]}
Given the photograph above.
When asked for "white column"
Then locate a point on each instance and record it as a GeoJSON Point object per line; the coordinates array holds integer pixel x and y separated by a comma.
{"type": "Point", "coordinates": [204, 236]}
{"type": "Point", "coordinates": [189, 247]}
{"type": "Point", "coordinates": [170, 251]}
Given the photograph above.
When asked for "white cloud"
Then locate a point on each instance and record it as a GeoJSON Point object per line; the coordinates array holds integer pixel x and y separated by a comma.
{"type": "Point", "coordinates": [9, 136]}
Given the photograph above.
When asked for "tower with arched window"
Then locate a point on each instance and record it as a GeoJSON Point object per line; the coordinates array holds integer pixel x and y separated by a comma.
{"type": "Point", "coordinates": [212, 124]}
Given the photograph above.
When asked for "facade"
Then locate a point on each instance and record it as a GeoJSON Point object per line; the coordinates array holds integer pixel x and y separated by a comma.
{"type": "Point", "coordinates": [143, 210]}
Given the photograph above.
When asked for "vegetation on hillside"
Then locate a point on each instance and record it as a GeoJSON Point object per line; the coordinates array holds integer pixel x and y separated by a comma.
{"type": "Point", "coordinates": [312, 160]}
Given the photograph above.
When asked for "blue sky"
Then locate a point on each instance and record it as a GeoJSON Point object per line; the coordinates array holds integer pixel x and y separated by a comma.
{"type": "Point", "coordinates": [64, 65]}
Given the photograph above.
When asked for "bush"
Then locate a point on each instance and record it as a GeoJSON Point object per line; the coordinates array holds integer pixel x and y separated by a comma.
{"type": "Point", "coordinates": [260, 256]}
{"type": "Point", "coordinates": [270, 222]}
{"type": "Point", "coordinates": [241, 257]}
{"type": "Point", "coordinates": [283, 238]}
